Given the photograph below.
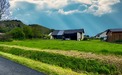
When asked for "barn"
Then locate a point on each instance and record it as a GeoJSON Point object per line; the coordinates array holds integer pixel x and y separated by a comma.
{"type": "Point", "coordinates": [75, 34]}
{"type": "Point", "coordinates": [114, 35]}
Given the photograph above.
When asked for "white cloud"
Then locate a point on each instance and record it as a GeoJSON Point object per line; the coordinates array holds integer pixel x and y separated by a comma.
{"type": "Point", "coordinates": [61, 11]}
{"type": "Point", "coordinates": [100, 7]}
{"type": "Point", "coordinates": [41, 4]}
{"type": "Point", "coordinates": [83, 1]}
{"type": "Point", "coordinates": [95, 7]}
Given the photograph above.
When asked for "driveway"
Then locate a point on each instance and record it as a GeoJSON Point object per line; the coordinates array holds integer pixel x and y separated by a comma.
{"type": "Point", "coordinates": [8, 67]}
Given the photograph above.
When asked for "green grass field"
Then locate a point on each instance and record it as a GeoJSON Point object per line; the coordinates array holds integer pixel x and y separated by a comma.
{"type": "Point", "coordinates": [81, 57]}
{"type": "Point", "coordinates": [76, 64]}
{"type": "Point", "coordinates": [94, 46]}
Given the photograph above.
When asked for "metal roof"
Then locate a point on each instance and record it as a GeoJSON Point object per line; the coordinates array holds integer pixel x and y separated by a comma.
{"type": "Point", "coordinates": [55, 32]}
{"type": "Point", "coordinates": [74, 31]}
{"type": "Point", "coordinates": [61, 32]}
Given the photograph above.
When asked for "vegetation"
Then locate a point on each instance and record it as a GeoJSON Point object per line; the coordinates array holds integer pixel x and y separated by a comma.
{"type": "Point", "coordinates": [76, 64]}
{"type": "Point", "coordinates": [24, 35]}
{"type": "Point", "coordinates": [17, 33]}
{"type": "Point", "coordinates": [94, 46]}
{"type": "Point", "coordinates": [118, 41]}
{"type": "Point", "coordinates": [5, 37]}
{"type": "Point", "coordinates": [18, 30]}
{"type": "Point", "coordinates": [8, 25]}
{"type": "Point", "coordinates": [42, 67]}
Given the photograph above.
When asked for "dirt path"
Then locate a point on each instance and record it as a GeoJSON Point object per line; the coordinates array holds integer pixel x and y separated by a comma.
{"type": "Point", "coordinates": [111, 59]}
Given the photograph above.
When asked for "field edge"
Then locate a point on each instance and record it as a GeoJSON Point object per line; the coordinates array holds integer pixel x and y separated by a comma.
{"type": "Point", "coordinates": [41, 67]}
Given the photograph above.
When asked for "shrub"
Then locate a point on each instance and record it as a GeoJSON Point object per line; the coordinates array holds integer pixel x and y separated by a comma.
{"type": "Point", "coordinates": [118, 41]}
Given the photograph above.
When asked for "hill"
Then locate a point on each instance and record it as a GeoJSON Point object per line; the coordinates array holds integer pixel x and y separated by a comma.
{"type": "Point", "coordinates": [8, 25]}
{"type": "Point", "coordinates": [40, 29]}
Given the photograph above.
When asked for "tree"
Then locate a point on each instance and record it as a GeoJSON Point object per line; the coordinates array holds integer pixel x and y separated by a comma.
{"type": "Point", "coordinates": [4, 5]}
{"type": "Point", "coordinates": [28, 32]}
{"type": "Point", "coordinates": [17, 33]}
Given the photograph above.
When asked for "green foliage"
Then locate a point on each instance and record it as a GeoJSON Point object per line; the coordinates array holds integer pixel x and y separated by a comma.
{"type": "Point", "coordinates": [118, 41]}
{"type": "Point", "coordinates": [76, 64]}
{"type": "Point", "coordinates": [17, 33]}
{"type": "Point", "coordinates": [39, 31]}
{"type": "Point", "coordinates": [8, 25]}
{"type": "Point", "coordinates": [86, 37]}
{"type": "Point", "coordinates": [28, 32]}
{"type": "Point", "coordinates": [41, 67]}
{"type": "Point", "coordinates": [31, 31]}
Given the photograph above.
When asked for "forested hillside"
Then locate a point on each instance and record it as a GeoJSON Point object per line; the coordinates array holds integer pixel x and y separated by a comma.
{"type": "Point", "coordinates": [18, 29]}
{"type": "Point", "coordinates": [8, 25]}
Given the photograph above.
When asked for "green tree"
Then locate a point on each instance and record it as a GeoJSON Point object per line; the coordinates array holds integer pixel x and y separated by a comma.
{"type": "Point", "coordinates": [36, 32]}
{"type": "Point", "coordinates": [17, 33]}
{"type": "Point", "coordinates": [28, 32]}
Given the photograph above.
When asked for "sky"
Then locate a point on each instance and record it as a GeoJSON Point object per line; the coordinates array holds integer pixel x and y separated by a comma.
{"type": "Point", "coordinates": [94, 16]}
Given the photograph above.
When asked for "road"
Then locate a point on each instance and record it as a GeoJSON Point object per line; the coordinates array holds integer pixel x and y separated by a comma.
{"type": "Point", "coordinates": [8, 67]}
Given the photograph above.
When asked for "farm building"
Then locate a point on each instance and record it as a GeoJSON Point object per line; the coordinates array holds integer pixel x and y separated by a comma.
{"type": "Point", "coordinates": [76, 34]}
{"type": "Point", "coordinates": [102, 35]}
{"type": "Point", "coordinates": [114, 35]}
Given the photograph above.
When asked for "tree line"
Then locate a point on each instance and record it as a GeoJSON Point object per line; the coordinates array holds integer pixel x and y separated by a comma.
{"type": "Point", "coordinates": [15, 29]}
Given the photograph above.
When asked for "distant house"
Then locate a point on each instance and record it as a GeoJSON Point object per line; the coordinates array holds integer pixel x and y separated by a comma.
{"type": "Point", "coordinates": [102, 35]}
{"type": "Point", "coordinates": [76, 34]}
{"type": "Point", "coordinates": [114, 35]}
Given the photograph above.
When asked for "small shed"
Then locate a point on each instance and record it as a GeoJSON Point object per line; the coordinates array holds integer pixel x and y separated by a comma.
{"type": "Point", "coordinates": [76, 34]}
{"type": "Point", "coordinates": [114, 35]}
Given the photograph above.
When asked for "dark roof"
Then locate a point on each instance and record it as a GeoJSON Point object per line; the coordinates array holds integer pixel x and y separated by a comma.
{"type": "Point", "coordinates": [74, 31]}
{"type": "Point", "coordinates": [112, 30]}
{"type": "Point", "coordinates": [55, 32]}
{"type": "Point", "coordinates": [115, 30]}
{"type": "Point", "coordinates": [61, 32]}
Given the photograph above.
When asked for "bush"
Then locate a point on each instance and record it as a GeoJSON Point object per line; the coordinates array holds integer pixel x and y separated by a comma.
{"type": "Point", "coordinates": [46, 37]}
{"type": "Point", "coordinates": [5, 37]}
{"type": "Point", "coordinates": [85, 39]}
{"type": "Point", "coordinates": [118, 41]}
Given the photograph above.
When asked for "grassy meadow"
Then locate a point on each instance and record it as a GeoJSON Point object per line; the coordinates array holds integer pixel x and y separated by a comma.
{"type": "Point", "coordinates": [94, 59]}
{"type": "Point", "coordinates": [95, 46]}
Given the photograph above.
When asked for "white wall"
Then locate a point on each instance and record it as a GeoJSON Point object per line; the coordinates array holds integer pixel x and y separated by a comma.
{"type": "Point", "coordinates": [80, 36]}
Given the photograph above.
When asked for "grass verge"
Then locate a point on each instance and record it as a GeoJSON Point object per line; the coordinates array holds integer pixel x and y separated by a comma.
{"type": "Point", "coordinates": [39, 66]}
